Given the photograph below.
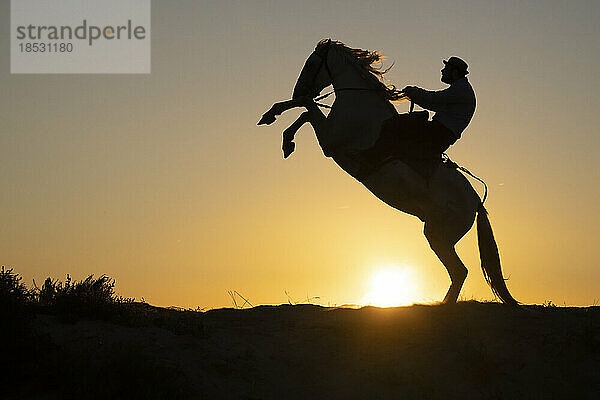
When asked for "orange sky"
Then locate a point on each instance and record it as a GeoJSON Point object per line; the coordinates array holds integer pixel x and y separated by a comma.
{"type": "Point", "coordinates": [164, 181]}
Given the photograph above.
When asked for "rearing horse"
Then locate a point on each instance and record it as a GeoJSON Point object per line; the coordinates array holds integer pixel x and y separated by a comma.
{"type": "Point", "coordinates": [446, 203]}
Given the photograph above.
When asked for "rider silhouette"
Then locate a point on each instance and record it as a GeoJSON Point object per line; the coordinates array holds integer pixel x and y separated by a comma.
{"type": "Point", "coordinates": [416, 140]}
{"type": "Point", "coordinates": [454, 106]}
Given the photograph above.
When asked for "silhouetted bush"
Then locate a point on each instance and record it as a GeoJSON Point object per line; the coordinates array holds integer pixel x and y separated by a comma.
{"type": "Point", "coordinates": [13, 293]}
{"type": "Point", "coordinates": [91, 297]}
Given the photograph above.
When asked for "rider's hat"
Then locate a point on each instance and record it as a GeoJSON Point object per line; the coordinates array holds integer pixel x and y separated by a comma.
{"type": "Point", "coordinates": [457, 63]}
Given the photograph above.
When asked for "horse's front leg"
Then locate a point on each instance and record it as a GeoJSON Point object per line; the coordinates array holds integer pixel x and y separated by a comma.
{"type": "Point", "coordinates": [315, 115]}
{"type": "Point", "coordinates": [279, 108]}
{"type": "Point", "coordinates": [312, 115]}
{"type": "Point", "coordinates": [316, 118]}
{"type": "Point", "coordinates": [288, 145]}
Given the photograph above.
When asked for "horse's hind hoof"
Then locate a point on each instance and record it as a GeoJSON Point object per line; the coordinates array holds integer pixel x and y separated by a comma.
{"type": "Point", "coordinates": [267, 119]}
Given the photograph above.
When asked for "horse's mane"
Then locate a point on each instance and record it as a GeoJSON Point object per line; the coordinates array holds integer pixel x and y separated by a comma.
{"type": "Point", "coordinates": [365, 59]}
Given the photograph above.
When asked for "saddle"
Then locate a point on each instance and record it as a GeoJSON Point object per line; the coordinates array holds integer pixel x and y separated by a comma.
{"type": "Point", "coordinates": [402, 137]}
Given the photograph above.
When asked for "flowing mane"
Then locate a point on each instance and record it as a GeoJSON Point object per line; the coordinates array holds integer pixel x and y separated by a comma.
{"type": "Point", "coordinates": [365, 59]}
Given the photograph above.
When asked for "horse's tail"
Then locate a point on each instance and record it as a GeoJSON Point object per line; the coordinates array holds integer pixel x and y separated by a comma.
{"type": "Point", "coordinates": [490, 258]}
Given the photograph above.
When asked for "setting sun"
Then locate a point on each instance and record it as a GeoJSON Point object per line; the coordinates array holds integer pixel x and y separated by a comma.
{"type": "Point", "coordinates": [391, 287]}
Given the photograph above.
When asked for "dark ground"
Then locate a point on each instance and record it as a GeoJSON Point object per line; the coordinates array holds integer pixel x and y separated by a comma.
{"type": "Point", "coordinates": [469, 350]}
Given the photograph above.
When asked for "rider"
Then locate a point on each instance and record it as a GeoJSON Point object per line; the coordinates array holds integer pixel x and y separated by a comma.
{"type": "Point", "coordinates": [454, 107]}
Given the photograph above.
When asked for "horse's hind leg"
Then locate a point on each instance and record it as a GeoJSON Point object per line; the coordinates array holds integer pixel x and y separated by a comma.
{"type": "Point", "coordinates": [444, 249]}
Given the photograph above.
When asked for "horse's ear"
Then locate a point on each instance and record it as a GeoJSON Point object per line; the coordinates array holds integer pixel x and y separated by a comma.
{"type": "Point", "coordinates": [323, 42]}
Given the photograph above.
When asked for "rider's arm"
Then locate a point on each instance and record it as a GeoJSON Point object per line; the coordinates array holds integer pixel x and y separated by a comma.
{"type": "Point", "coordinates": [433, 100]}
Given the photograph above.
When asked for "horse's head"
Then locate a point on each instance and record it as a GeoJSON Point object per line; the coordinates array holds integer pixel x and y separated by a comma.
{"type": "Point", "coordinates": [315, 75]}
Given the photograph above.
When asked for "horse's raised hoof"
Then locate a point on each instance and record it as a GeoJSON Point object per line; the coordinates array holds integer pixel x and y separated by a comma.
{"type": "Point", "coordinates": [288, 148]}
{"type": "Point", "coordinates": [267, 119]}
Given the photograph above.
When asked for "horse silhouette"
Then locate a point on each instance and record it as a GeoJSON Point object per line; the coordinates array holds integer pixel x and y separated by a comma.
{"type": "Point", "coordinates": [446, 202]}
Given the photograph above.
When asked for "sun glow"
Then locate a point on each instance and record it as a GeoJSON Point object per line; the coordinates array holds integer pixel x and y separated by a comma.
{"type": "Point", "coordinates": [391, 287]}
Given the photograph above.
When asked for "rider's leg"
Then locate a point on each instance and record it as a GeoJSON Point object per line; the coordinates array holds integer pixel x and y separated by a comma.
{"type": "Point", "coordinates": [445, 251]}
{"type": "Point", "coordinates": [437, 139]}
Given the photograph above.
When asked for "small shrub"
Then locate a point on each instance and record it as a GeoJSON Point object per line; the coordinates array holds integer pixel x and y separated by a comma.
{"type": "Point", "coordinates": [14, 299]}
{"type": "Point", "coordinates": [91, 297]}
{"type": "Point", "coordinates": [549, 304]}
{"type": "Point", "coordinates": [12, 289]}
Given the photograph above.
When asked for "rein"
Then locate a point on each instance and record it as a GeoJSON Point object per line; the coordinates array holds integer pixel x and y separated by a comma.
{"type": "Point", "coordinates": [451, 164]}
{"type": "Point", "coordinates": [324, 96]}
